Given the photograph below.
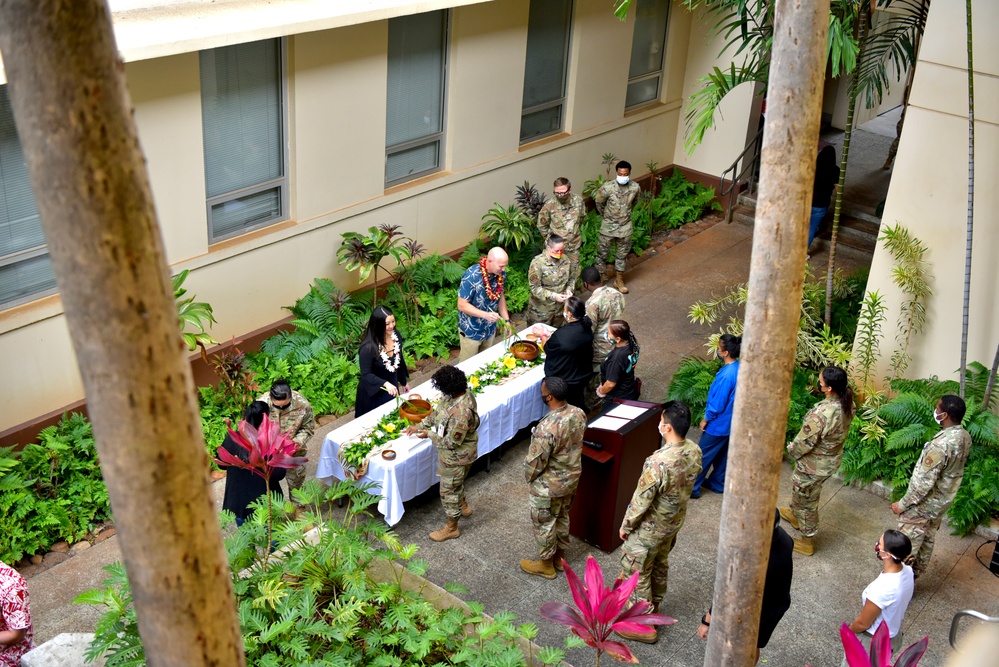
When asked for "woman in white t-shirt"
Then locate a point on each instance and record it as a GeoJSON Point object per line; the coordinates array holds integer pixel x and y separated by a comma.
{"type": "Point", "coordinates": [887, 597]}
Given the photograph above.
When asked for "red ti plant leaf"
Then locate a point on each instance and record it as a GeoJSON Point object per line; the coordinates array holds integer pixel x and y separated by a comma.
{"type": "Point", "coordinates": [856, 656]}
{"type": "Point", "coordinates": [602, 611]}
{"type": "Point", "coordinates": [880, 654]}
{"type": "Point", "coordinates": [910, 657]}
{"type": "Point", "coordinates": [267, 449]}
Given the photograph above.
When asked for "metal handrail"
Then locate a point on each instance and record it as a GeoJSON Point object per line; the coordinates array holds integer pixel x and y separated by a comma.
{"type": "Point", "coordinates": [732, 190]}
{"type": "Point", "coordinates": [967, 612]}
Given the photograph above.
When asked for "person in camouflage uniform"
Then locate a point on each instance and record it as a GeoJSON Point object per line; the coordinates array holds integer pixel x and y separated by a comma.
{"type": "Point", "coordinates": [294, 416]}
{"type": "Point", "coordinates": [817, 451]}
{"type": "Point", "coordinates": [563, 216]}
{"type": "Point", "coordinates": [614, 201]}
{"type": "Point", "coordinates": [548, 278]}
{"type": "Point", "coordinates": [934, 482]}
{"type": "Point", "coordinates": [657, 511]}
{"type": "Point", "coordinates": [552, 469]}
{"type": "Point", "coordinates": [452, 427]}
{"type": "Point", "coordinates": [605, 304]}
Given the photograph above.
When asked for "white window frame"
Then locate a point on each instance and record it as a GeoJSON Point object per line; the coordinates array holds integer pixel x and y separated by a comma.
{"type": "Point", "coordinates": [560, 101]}
{"type": "Point", "coordinates": [280, 183]}
{"type": "Point", "coordinates": [435, 137]}
{"type": "Point", "coordinates": [656, 74]}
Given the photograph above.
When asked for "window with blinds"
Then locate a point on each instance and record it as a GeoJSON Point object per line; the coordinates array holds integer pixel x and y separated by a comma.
{"type": "Point", "coordinates": [25, 267]}
{"type": "Point", "coordinates": [647, 48]}
{"type": "Point", "coordinates": [242, 111]}
{"type": "Point", "coordinates": [546, 70]}
{"type": "Point", "coordinates": [417, 76]}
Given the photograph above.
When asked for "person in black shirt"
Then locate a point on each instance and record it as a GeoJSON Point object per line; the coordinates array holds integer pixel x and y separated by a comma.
{"type": "Point", "coordinates": [826, 180]}
{"type": "Point", "coordinates": [569, 351]}
{"type": "Point", "coordinates": [776, 588]}
{"type": "Point", "coordinates": [617, 371]}
{"type": "Point", "coordinates": [243, 486]}
{"type": "Point", "coordinates": [383, 370]}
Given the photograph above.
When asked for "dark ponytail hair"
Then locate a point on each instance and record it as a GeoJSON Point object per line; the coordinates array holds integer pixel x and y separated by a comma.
{"type": "Point", "coordinates": [577, 309]}
{"type": "Point", "coordinates": [621, 329]}
{"type": "Point", "coordinates": [732, 344]}
{"type": "Point", "coordinates": [835, 379]}
{"type": "Point", "coordinates": [898, 545]}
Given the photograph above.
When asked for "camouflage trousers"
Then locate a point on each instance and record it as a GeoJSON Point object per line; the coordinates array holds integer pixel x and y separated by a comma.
{"type": "Point", "coordinates": [805, 490]}
{"type": "Point", "coordinates": [550, 517]}
{"type": "Point", "coordinates": [648, 556]}
{"type": "Point", "coordinates": [546, 312]}
{"type": "Point", "coordinates": [922, 532]}
{"type": "Point", "coordinates": [590, 397]}
{"type": "Point", "coordinates": [620, 253]}
{"type": "Point", "coordinates": [452, 488]}
{"type": "Point", "coordinates": [572, 256]}
{"type": "Point", "coordinates": [295, 477]}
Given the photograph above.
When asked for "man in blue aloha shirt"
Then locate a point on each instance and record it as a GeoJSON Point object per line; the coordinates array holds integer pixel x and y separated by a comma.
{"type": "Point", "coordinates": [481, 302]}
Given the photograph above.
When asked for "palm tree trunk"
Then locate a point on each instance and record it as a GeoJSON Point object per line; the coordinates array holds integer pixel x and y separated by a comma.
{"type": "Point", "coordinates": [987, 400]}
{"type": "Point", "coordinates": [74, 119]}
{"type": "Point", "coordinates": [971, 203]}
{"type": "Point", "coordinates": [854, 90]}
{"type": "Point", "coordinates": [772, 312]}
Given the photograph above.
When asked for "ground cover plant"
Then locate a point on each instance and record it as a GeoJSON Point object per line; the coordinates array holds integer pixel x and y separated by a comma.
{"type": "Point", "coordinates": [51, 490]}
{"type": "Point", "coordinates": [317, 601]}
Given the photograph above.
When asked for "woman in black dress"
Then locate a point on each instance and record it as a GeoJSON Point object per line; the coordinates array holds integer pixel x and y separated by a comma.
{"type": "Point", "coordinates": [617, 372]}
{"type": "Point", "coordinates": [383, 371]}
{"type": "Point", "coordinates": [569, 351]}
{"type": "Point", "coordinates": [243, 486]}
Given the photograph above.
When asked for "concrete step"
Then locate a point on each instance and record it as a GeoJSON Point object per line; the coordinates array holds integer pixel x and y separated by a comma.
{"type": "Point", "coordinates": [857, 228]}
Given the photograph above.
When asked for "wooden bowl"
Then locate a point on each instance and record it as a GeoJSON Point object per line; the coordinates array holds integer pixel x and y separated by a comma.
{"type": "Point", "coordinates": [527, 350]}
{"type": "Point", "coordinates": [415, 410]}
{"type": "Point", "coordinates": [388, 455]}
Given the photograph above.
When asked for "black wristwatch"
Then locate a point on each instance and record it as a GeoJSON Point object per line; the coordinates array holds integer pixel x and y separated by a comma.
{"type": "Point", "coordinates": [704, 620]}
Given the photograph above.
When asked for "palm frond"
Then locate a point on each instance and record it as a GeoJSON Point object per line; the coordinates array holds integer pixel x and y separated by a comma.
{"type": "Point", "coordinates": [890, 49]}
{"type": "Point", "coordinates": [700, 116]}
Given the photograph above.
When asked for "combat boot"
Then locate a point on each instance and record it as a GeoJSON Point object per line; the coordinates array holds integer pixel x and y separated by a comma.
{"type": "Point", "coordinates": [619, 284]}
{"type": "Point", "coordinates": [805, 546]}
{"type": "Point", "coordinates": [448, 532]}
{"type": "Point", "coordinates": [542, 568]}
{"type": "Point", "coordinates": [465, 509]}
{"type": "Point", "coordinates": [610, 270]}
{"type": "Point", "coordinates": [788, 515]}
{"type": "Point", "coordinates": [557, 559]}
{"type": "Point", "coordinates": [651, 636]}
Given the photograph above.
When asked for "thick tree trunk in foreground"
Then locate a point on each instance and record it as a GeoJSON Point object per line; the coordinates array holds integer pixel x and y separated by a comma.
{"type": "Point", "coordinates": [73, 113]}
{"type": "Point", "coordinates": [775, 280]}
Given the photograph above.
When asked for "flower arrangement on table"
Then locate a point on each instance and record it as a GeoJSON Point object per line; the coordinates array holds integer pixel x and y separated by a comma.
{"type": "Point", "coordinates": [353, 455]}
{"type": "Point", "coordinates": [500, 371]}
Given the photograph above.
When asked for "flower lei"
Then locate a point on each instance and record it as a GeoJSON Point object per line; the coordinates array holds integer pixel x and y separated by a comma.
{"type": "Point", "coordinates": [500, 371]}
{"type": "Point", "coordinates": [493, 295]}
{"type": "Point", "coordinates": [392, 365]}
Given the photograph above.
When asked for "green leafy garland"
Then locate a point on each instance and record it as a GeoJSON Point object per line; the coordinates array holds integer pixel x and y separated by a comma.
{"type": "Point", "coordinates": [388, 429]}
{"type": "Point", "coordinates": [497, 372]}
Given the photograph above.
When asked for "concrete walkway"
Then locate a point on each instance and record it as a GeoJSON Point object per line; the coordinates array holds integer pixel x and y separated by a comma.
{"type": "Point", "coordinates": [827, 586]}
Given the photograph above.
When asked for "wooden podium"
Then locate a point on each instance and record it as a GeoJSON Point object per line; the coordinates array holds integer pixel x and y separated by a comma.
{"type": "Point", "coordinates": [612, 466]}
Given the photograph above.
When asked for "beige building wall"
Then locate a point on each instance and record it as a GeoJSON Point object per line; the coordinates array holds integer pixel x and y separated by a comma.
{"type": "Point", "coordinates": [929, 191]}
{"type": "Point", "coordinates": [336, 136]}
{"type": "Point", "coordinates": [735, 122]}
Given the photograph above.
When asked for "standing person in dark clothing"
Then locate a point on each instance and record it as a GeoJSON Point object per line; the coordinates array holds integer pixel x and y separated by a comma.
{"type": "Point", "coordinates": [617, 371]}
{"type": "Point", "coordinates": [243, 486]}
{"type": "Point", "coordinates": [776, 588]}
{"type": "Point", "coordinates": [383, 370]}
{"type": "Point", "coordinates": [569, 351]}
{"type": "Point", "coordinates": [826, 180]}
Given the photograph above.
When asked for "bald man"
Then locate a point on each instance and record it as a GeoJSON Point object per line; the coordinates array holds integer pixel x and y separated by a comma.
{"type": "Point", "coordinates": [481, 302]}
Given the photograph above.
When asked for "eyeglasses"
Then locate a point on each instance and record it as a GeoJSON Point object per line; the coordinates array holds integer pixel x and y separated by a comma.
{"type": "Point", "coordinates": [561, 194]}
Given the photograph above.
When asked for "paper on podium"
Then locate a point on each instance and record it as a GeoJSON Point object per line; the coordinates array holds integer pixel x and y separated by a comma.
{"type": "Point", "coordinates": [627, 412]}
{"type": "Point", "coordinates": [608, 423]}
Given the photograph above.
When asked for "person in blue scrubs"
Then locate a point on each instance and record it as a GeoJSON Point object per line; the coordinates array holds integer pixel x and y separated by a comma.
{"type": "Point", "coordinates": [717, 422]}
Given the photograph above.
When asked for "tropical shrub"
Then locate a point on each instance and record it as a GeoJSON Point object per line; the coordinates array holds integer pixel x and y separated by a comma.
{"type": "Point", "coordinates": [196, 317]}
{"type": "Point", "coordinates": [517, 290]}
{"type": "Point", "coordinates": [529, 200]}
{"type": "Point", "coordinates": [316, 602]}
{"type": "Point", "coordinates": [51, 490]}
{"type": "Point", "coordinates": [509, 227]}
{"type": "Point", "coordinates": [906, 423]}
{"type": "Point", "coordinates": [365, 253]}
{"type": "Point", "coordinates": [328, 380]}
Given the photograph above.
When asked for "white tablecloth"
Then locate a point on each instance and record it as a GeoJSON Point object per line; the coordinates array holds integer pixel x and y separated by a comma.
{"type": "Point", "coordinates": [503, 410]}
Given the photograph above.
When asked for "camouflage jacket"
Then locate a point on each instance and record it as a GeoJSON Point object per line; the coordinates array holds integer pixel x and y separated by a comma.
{"type": "Point", "coordinates": [297, 419]}
{"type": "Point", "coordinates": [659, 504]}
{"type": "Point", "coordinates": [554, 459]}
{"type": "Point", "coordinates": [453, 428]}
{"type": "Point", "coordinates": [604, 305]}
{"type": "Point", "coordinates": [938, 474]}
{"type": "Point", "coordinates": [614, 203]}
{"type": "Point", "coordinates": [818, 447]}
{"type": "Point", "coordinates": [547, 277]}
{"type": "Point", "coordinates": [566, 220]}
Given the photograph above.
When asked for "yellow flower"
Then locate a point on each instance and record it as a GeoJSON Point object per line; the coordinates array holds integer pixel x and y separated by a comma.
{"type": "Point", "coordinates": [473, 381]}
{"type": "Point", "coordinates": [390, 428]}
{"type": "Point", "coordinates": [509, 362]}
